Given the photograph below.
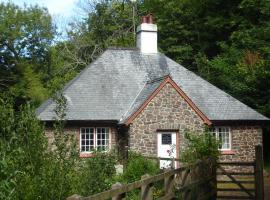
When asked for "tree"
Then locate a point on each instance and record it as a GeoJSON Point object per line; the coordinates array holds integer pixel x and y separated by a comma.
{"type": "Point", "coordinates": [26, 36]}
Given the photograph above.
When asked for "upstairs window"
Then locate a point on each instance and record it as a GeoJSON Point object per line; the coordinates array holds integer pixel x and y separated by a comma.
{"type": "Point", "coordinates": [94, 139]}
{"type": "Point", "coordinates": [223, 135]}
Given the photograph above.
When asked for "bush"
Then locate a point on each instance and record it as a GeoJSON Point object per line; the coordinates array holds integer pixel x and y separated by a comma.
{"type": "Point", "coordinates": [138, 166]}
{"type": "Point", "coordinates": [199, 146]}
{"type": "Point", "coordinates": [97, 173]}
{"type": "Point", "coordinates": [27, 169]}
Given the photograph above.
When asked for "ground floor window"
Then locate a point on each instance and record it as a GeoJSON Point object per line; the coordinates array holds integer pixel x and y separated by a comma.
{"type": "Point", "coordinates": [94, 139]}
{"type": "Point", "coordinates": [223, 135]}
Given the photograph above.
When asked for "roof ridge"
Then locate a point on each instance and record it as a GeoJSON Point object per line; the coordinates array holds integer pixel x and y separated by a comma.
{"type": "Point", "coordinates": [122, 48]}
{"type": "Point", "coordinates": [158, 79]}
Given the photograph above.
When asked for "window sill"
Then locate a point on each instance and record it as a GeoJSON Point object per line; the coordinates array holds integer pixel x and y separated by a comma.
{"type": "Point", "coordinates": [86, 155]}
{"type": "Point", "coordinates": [227, 152]}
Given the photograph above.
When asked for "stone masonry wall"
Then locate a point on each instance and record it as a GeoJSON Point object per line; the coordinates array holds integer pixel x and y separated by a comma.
{"type": "Point", "coordinates": [244, 139]}
{"type": "Point", "coordinates": [167, 110]}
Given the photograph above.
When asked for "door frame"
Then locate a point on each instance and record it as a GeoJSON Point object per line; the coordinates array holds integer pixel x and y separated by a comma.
{"type": "Point", "coordinates": [177, 140]}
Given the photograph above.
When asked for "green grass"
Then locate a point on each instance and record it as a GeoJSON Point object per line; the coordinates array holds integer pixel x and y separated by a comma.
{"type": "Point", "coordinates": [267, 165]}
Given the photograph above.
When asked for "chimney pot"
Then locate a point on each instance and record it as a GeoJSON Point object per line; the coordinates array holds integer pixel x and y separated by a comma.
{"type": "Point", "coordinates": [150, 19]}
{"type": "Point", "coordinates": [144, 19]}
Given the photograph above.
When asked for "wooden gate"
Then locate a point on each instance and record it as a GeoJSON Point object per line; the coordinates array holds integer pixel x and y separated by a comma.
{"type": "Point", "coordinates": [244, 183]}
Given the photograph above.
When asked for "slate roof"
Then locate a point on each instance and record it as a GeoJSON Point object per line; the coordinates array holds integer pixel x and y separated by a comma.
{"type": "Point", "coordinates": [115, 85]}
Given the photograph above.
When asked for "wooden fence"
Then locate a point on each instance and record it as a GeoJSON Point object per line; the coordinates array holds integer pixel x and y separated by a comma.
{"type": "Point", "coordinates": [246, 183]}
{"type": "Point", "coordinates": [197, 181]}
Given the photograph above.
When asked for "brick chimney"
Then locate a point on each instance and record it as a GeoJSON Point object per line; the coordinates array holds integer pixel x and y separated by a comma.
{"type": "Point", "coordinates": [147, 35]}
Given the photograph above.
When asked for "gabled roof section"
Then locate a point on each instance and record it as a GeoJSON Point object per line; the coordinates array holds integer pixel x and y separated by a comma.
{"type": "Point", "coordinates": [115, 85]}
{"type": "Point", "coordinates": [150, 90]}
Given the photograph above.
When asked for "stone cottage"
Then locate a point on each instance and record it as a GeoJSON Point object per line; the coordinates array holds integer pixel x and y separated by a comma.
{"type": "Point", "coordinates": [141, 98]}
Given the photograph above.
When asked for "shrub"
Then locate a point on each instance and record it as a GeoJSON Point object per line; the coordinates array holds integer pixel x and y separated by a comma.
{"type": "Point", "coordinates": [27, 169]}
{"type": "Point", "coordinates": [138, 166]}
{"type": "Point", "coordinates": [97, 173]}
{"type": "Point", "coordinates": [199, 146]}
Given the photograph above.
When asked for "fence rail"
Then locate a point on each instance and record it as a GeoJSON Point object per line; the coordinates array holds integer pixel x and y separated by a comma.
{"type": "Point", "coordinates": [185, 178]}
{"type": "Point", "coordinates": [188, 176]}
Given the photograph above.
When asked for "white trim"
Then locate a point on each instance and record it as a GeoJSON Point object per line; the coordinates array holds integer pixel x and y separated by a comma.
{"type": "Point", "coordinates": [94, 138]}
{"type": "Point", "coordinates": [215, 130]}
{"type": "Point", "coordinates": [104, 139]}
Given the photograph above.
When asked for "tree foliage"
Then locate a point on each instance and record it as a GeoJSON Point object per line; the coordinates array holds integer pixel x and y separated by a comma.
{"type": "Point", "coordinates": [226, 42]}
{"type": "Point", "coordinates": [25, 40]}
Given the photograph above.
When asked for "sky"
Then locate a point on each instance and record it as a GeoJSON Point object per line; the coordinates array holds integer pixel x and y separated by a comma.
{"type": "Point", "coordinates": [62, 11]}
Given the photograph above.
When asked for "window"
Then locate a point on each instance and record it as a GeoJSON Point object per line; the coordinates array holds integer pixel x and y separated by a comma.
{"type": "Point", "coordinates": [102, 139]}
{"type": "Point", "coordinates": [166, 138]}
{"type": "Point", "coordinates": [223, 134]}
{"type": "Point", "coordinates": [94, 139]}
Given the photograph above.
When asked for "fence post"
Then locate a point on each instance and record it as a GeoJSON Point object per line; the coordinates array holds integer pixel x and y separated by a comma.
{"type": "Point", "coordinates": [168, 183]}
{"type": "Point", "coordinates": [146, 190]}
{"type": "Point", "coordinates": [74, 197]}
{"type": "Point", "coordinates": [115, 186]}
{"type": "Point", "coordinates": [158, 160]}
{"type": "Point", "coordinates": [213, 164]}
{"type": "Point", "coordinates": [259, 183]}
{"type": "Point", "coordinates": [173, 163]}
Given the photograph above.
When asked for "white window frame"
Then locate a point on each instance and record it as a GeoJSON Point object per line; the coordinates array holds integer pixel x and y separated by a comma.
{"type": "Point", "coordinates": [95, 138]}
{"type": "Point", "coordinates": [107, 146]}
{"type": "Point", "coordinates": [215, 131]}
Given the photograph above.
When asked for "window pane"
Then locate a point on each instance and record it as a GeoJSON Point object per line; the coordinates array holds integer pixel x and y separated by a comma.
{"type": "Point", "coordinates": [223, 137]}
{"type": "Point", "coordinates": [166, 139]}
{"type": "Point", "coordinates": [82, 136]}
{"type": "Point", "coordinates": [102, 139]}
{"type": "Point", "coordinates": [87, 139]}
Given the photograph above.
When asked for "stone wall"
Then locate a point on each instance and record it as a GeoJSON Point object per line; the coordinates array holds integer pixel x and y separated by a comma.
{"type": "Point", "coordinates": [166, 111]}
{"type": "Point", "coordinates": [75, 131]}
{"type": "Point", "coordinates": [244, 139]}
{"type": "Point", "coordinates": [169, 111]}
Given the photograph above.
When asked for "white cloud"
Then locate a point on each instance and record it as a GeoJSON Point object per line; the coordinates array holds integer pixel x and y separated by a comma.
{"type": "Point", "coordinates": [55, 7]}
{"type": "Point", "coordinates": [59, 7]}
{"type": "Point", "coordinates": [62, 11]}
